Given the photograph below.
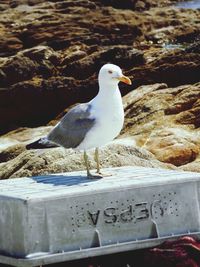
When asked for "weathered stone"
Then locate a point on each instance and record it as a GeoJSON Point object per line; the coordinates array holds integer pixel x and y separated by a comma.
{"type": "Point", "coordinates": [9, 45]}
{"type": "Point", "coordinates": [29, 63]}
{"type": "Point", "coordinates": [21, 136]}
{"type": "Point", "coordinates": [55, 160]}
{"type": "Point", "coordinates": [174, 68]}
{"type": "Point", "coordinates": [11, 152]}
{"type": "Point", "coordinates": [175, 146]}
{"type": "Point", "coordinates": [192, 166]}
{"type": "Point", "coordinates": [19, 69]}
{"type": "Point", "coordinates": [165, 121]}
{"type": "Point", "coordinates": [135, 4]}
{"type": "Point", "coordinates": [124, 56]}
{"type": "Point", "coordinates": [49, 40]}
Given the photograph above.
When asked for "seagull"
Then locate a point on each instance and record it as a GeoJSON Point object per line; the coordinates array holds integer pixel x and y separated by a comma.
{"type": "Point", "coordinates": [93, 124]}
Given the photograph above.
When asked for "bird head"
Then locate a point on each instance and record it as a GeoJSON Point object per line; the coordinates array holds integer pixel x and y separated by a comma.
{"type": "Point", "coordinates": [112, 74]}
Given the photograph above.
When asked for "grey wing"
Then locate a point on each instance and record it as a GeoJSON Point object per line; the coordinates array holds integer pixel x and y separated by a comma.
{"type": "Point", "coordinates": [73, 127]}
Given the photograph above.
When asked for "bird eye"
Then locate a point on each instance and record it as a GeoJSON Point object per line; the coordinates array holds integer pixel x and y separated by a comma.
{"type": "Point", "coordinates": [110, 71]}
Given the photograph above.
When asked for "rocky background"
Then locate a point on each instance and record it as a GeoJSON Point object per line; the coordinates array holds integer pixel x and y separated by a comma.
{"type": "Point", "coordinates": [50, 54]}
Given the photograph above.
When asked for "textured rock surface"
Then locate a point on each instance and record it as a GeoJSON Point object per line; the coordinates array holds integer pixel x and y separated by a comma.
{"type": "Point", "coordinates": [55, 160]}
{"type": "Point", "coordinates": [174, 68]}
{"type": "Point", "coordinates": [165, 121]}
{"type": "Point", "coordinates": [50, 51]}
{"type": "Point", "coordinates": [19, 137]}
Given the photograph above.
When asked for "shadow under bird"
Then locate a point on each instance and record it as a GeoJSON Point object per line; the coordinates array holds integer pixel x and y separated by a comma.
{"type": "Point", "coordinates": [93, 124]}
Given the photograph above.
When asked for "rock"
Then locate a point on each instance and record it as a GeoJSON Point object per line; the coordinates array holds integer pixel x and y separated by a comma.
{"type": "Point", "coordinates": [20, 137]}
{"type": "Point", "coordinates": [134, 4]}
{"type": "Point", "coordinates": [194, 47]}
{"type": "Point", "coordinates": [80, 85]}
{"type": "Point", "coordinates": [9, 42]}
{"type": "Point", "coordinates": [56, 160]}
{"type": "Point", "coordinates": [165, 121]}
{"type": "Point", "coordinates": [51, 96]}
{"type": "Point", "coordinates": [32, 83]}
{"type": "Point", "coordinates": [51, 52]}
{"type": "Point", "coordinates": [9, 45]}
{"type": "Point", "coordinates": [173, 31]}
{"type": "Point", "coordinates": [40, 60]}
{"type": "Point", "coordinates": [125, 56]}
{"type": "Point", "coordinates": [22, 67]}
{"type": "Point", "coordinates": [11, 152]}
{"type": "Point", "coordinates": [57, 92]}
{"type": "Point", "coordinates": [192, 166]}
{"type": "Point", "coordinates": [152, 120]}
{"type": "Point", "coordinates": [173, 67]}
{"type": "Point", "coordinates": [175, 146]}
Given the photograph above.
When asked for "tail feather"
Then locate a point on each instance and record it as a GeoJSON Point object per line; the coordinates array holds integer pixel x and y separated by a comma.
{"type": "Point", "coordinates": [41, 143]}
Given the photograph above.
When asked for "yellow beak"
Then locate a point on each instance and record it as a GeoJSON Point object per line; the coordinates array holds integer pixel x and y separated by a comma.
{"type": "Point", "coordinates": [125, 79]}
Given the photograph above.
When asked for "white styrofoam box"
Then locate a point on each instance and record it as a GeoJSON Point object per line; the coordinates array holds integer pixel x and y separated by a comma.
{"type": "Point", "coordinates": [58, 217]}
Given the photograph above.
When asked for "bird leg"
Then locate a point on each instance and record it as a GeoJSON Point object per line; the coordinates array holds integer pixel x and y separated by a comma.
{"type": "Point", "coordinates": [96, 158]}
{"type": "Point", "coordinates": [98, 174]}
{"type": "Point", "coordinates": [89, 174]}
{"type": "Point", "coordinates": [85, 156]}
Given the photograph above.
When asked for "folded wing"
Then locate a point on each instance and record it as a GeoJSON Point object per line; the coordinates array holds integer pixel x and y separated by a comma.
{"type": "Point", "coordinates": [73, 127]}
